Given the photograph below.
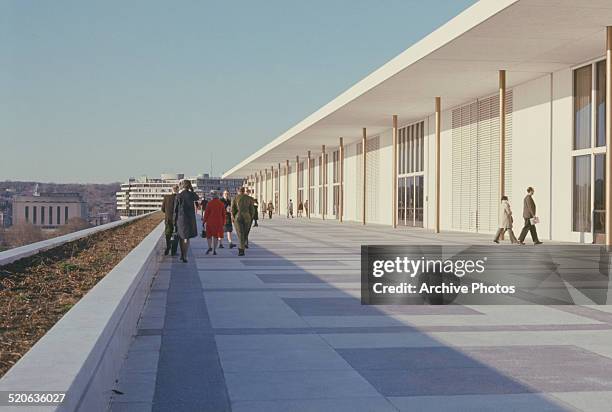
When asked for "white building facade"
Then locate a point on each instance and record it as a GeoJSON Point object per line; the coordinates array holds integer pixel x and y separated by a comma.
{"type": "Point", "coordinates": [507, 95]}
{"type": "Point", "coordinates": [144, 195]}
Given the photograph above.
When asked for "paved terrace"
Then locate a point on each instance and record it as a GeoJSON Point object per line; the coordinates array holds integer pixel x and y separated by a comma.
{"type": "Point", "coordinates": [283, 329]}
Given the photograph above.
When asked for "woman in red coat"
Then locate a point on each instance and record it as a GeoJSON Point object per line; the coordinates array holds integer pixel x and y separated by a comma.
{"type": "Point", "coordinates": [214, 219]}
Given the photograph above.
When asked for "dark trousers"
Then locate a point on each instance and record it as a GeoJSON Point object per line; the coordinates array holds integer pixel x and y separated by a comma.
{"type": "Point", "coordinates": [269, 214]}
{"type": "Point", "coordinates": [531, 229]}
{"type": "Point", "coordinates": [169, 229]}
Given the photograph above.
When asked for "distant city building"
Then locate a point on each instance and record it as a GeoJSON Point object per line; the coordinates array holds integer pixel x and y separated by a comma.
{"type": "Point", "coordinates": [48, 210]}
{"type": "Point", "coordinates": [6, 211]}
{"type": "Point", "coordinates": [145, 194]}
{"type": "Point", "coordinates": [100, 219]}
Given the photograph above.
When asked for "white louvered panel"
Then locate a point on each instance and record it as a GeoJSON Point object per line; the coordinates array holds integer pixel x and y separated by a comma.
{"type": "Point", "coordinates": [466, 165]}
{"type": "Point", "coordinates": [456, 159]}
{"type": "Point", "coordinates": [472, 174]}
{"type": "Point", "coordinates": [372, 176]}
{"type": "Point", "coordinates": [508, 156]}
{"type": "Point", "coordinates": [359, 183]}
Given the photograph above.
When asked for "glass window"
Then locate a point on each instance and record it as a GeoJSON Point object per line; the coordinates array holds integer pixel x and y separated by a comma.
{"type": "Point", "coordinates": [27, 213]}
{"type": "Point", "coordinates": [50, 215]}
{"type": "Point", "coordinates": [58, 215]}
{"type": "Point", "coordinates": [42, 215]}
{"type": "Point", "coordinates": [599, 206]}
{"type": "Point", "coordinates": [582, 193]}
{"type": "Point", "coordinates": [66, 214]}
{"type": "Point", "coordinates": [600, 104]}
{"type": "Point", "coordinates": [34, 214]}
{"type": "Point", "coordinates": [582, 107]}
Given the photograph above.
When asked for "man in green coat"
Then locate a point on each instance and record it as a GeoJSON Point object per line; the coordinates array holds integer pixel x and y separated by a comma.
{"type": "Point", "coordinates": [242, 213]}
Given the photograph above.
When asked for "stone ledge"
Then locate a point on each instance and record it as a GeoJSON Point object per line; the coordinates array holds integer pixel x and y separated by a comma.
{"type": "Point", "coordinates": [83, 352]}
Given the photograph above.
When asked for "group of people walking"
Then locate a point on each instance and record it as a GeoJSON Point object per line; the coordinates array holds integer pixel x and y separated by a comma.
{"type": "Point", "coordinates": [529, 215]}
{"type": "Point", "coordinates": [219, 217]}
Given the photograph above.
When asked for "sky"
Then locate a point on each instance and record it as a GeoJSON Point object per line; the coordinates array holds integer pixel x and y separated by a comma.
{"type": "Point", "coordinates": [99, 91]}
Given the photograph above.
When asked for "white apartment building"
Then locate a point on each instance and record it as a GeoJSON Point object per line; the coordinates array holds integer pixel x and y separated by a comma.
{"type": "Point", "coordinates": [145, 194]}
{"type": "Point", "coordinates": [508, 94]}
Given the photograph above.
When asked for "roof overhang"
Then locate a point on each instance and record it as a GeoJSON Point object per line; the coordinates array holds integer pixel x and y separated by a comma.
{"type": "Point", "coordinates": [459, 62]}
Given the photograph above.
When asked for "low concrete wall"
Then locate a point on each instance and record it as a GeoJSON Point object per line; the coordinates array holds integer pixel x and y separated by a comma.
{"type": "Point", "coordinates": [11, 255]}
{"type": "Point", "coordinates": [82, 354]}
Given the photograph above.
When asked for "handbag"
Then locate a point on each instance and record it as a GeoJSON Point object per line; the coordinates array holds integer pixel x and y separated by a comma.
{"type": "Point", "coordinates": [534, 220]}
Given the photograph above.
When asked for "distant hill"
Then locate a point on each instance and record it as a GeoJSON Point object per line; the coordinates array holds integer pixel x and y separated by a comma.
{"type": "Point", "coordinates": [100, 197]}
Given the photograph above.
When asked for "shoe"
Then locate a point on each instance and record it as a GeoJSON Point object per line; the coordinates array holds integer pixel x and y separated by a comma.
{"type": "Point", "coordinates": [232, 246]}
{"type": "Point", "coordinates": [167, 250]}
{"type": "Point", "coordinates": [220, 246]}
{"type": "Point", "coordinates": [496, 241]}
{"type": "Point", "coordinates": [246, 246]}
{"type": "Point", "coordinates": [240, 252]}
{"type": "Point", "coordinates": [521, 243]}
{"type": "Point", "coordinates": [209, 250]}
{"type": "Point", "coordinates": [214, 252]}
{"type": "Point", "coordinates": [537, 243]}
{"type": "Point", "coordinates": [256, 224]}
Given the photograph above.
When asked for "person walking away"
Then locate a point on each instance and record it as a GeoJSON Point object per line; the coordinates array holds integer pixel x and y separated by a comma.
{"type": "Point", "coordinates": [185, 216]}
{"type": "Point", "coordinates": [529, 214]}
{"type": "Point", "coordinates": [300, 209]}
{"type": "Point", "coordinates": [228, 228]}
{"type": "Point", "coordinates": [306, 209]}
{"type": "Point", "coordinates": [270, 209]}
{"type": "Point", "coordinates": [202, 207]}
{"type": "Point", "coordinates": [214, 218]}
{"type": "Point", "coordinates": [290, 209]}
{"type": "Point", "coordinates": [168, 209]}
{"type": "Point", "coordinates": [256, 206]}
{"type": "Point", "coordinates": [505, 221]}
{"type": "Point", "coordinates": [242, 213]}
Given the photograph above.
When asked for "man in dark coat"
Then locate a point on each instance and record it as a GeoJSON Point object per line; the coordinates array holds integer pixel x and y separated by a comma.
{"type": "Point", "coordinates": [242, 213]}
{"type": "Point", "coordinates": [185, 216]}
{"type": "Point", "coordinates": [529, 212]}
{"type": "Point", "coordinates": [168, 209]}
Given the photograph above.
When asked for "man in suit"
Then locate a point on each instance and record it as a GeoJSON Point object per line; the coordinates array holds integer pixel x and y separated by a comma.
{"type": "Point", "coordinates": [168, 209]}
{"type": "Point", "coordinates": [529, 212]}
{"type": "Point", "coordinates": [242, 213]}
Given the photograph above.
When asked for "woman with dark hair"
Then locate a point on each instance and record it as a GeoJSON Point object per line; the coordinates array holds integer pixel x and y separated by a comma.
{"type": "Point", "coordinates": [505, 221]}
{"type": "Point", "coordinates": [185, 216]}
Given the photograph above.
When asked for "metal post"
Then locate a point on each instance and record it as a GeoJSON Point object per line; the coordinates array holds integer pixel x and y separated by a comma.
{"type": "Point", "coordinates": [363, 157]}
{"type": "Point", "coordinates": [341, 179]}
{"type": "Point", "coordinates": [394, 182]}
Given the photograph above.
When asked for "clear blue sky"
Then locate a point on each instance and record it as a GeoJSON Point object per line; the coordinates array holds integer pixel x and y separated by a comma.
{"type": "Point", "coordinates": [98, 91]}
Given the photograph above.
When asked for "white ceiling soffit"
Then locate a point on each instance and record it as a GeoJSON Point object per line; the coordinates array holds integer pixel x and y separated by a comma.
{"type": "Point", "coordinates": [459, 62]}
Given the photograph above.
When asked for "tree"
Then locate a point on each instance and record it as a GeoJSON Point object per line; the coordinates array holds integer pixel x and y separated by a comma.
{"type": "Point", "coordinates": [22, 234]}
{"type": "Point", "coordinates": [73, 225]}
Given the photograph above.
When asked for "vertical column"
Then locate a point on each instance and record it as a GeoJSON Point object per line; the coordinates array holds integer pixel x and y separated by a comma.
{"type": "Point", "coordinates": [394, 168]}
{"type": "Point", "coordinates": [323, 181]}
{"type": "Point", "coordinates": [265, 183]}
{"type": "Point", "coordinates": [438, 119]}
{"type": "Point", "coordinates": [363, 177]}
{"type": "Point", "coordinates": [279, 191]}
{"type": "Point", "coordinates": [297, 181]}
{"type": "Point", "coordinates": [273, 183]}
{"type": "Point", "coordinates": [609, 135]}
{"type": "Point", "coordinates": [341, 179]}
{"type": "Point", "coordinates": [502, 132]}
{"type": "Point", "coordinates": [287, 184]}
{"type": "Point", "coordinates": [308, 188]}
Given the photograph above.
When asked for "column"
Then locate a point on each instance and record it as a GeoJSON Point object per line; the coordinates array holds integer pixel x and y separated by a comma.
{"type": "Point", "coordinates": [279, 191]}
{"type": "Point", "coordinates": [341, 179]}
{"type": "Point", "coordinates": [609, 135]}
{"type": "Point", "coordinates": [438, 118]}
{"type": "Point", "coordinates": [297, 180]}
{"type": "Point", "coordinates": [265, 183]}
{"type": "Point", "coordinates": [394, 168]}
{"type": "Point", "coordinates": [308, 188]}
{"type": "Point", "coordinates": [363, 177]}
{"type": "Point", "coordinates": [323, 181]}
{"type": "Point", "coordinates": [272, 177]}
{"type": "Point", "coordinates": [287, 184]}
{"type": "Point", "coordinates": [502, 132]}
